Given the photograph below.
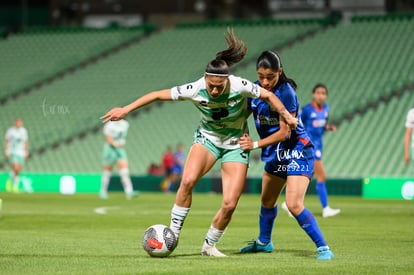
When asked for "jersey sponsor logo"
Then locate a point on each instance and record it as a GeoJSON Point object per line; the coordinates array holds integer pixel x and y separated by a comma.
{"type": "Point", "coordinates": [318, 123]}
{"type": "Point", "coordinates": [287, 154]}
{"type": "Point", "coordinates": [219, 113]}
{"type": "Point", "coordinates": [264, 120]}
{"type": "Point", "coordinates": [213, 105]}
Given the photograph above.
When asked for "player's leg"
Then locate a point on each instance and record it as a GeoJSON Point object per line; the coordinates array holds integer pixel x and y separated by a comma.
{"type": "Point", "coordinates": [322, 191]}
{"type": "Point", "coordinates": [321, 183]}
{"type": "Point", "coordinates": [233, 176]}
{"type": "Point", "coordinates": [16, 168]}
{"type": "Point", "coordinates": [272, 186]}
{"type": "Point", "coordinates": [199, 161]}
{"type": "Point", "coordinates": [233, 179]}
{"type": "Point", "coordinates": [105, 178]}
{"type": "Point", "coordinates": [296, 187]}
{"type": "Point", "coordinates": [125, 178]}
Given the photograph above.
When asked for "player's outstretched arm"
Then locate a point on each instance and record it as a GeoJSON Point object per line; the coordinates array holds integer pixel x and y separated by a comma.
{"type": "Point", "coordinates": [119, 113]}
{"type": "Point", "coordinates": [277, 105]}
{"type": "Point", "coordinates": [246, 143]}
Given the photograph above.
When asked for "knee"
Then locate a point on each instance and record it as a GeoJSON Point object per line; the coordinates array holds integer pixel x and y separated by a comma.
{"type": "Point", "coordinates": [187, 183]}
{"type": "Point", "coordinates": [228, 208]}
{"type": "Point", "coordinates": [295, 207]}
{"type": "Point", "coordinates": [268, 202]}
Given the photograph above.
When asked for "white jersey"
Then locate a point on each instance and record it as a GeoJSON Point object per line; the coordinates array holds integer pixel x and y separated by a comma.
{"type": "Point", "coordinates": [118, 130]}
{"type": "Point", "coordinates": [409, 123]}
{"type": "Point", "coordinates": [223, 119]}
{"type": "Point", "coordinates": [16, 139]}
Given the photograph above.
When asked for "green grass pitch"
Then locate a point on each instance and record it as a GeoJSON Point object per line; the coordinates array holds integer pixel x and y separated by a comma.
{"type": "Point", "coordinates": [57, 234]}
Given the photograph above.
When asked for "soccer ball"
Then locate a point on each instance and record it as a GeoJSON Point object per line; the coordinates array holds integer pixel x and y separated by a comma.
{"type": "Point", "coordinates": [159, 240]}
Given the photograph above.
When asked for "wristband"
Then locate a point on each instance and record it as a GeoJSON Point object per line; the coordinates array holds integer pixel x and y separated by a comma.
{"type": "Point", "coordinates": [255, 145]}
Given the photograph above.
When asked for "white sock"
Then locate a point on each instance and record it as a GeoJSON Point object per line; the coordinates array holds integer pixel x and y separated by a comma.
{"type": "Point", "coordinates": [213, 235]}
{"type": "Point", "coordinates": [126, 180]}
{"type": "Point", "coordinates": [16, 180]}
{"type": "Point", "coordinates": [106, 176]}
{"type": "Point", "coordinates": [178, 215]}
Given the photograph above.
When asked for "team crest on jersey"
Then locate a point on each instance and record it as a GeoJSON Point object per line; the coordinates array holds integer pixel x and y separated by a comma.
{"type": "Point", "coordinates": [232, 102]}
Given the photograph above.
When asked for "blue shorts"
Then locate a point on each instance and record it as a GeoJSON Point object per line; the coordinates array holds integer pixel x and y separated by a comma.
{"type": "Point", "coordinates": [293, 162]}
{"type": "Point", "coordinates": [318, 151]}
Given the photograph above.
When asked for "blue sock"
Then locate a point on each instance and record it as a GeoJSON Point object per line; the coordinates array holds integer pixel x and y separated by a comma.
{"type": "Point", "coordinates": [308, 223]}
{"type": "Point", "coordinates": [266, 221]}
{"type": "Point", "coordinates": [322, 193]}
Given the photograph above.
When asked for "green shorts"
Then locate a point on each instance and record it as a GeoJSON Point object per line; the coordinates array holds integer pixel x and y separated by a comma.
{"type": "Point", "coordinates": [16, 159]}
{"type": "Point", "coordinates": [112, 155]}
{"type": "Point", "coordinates": [226, 155]}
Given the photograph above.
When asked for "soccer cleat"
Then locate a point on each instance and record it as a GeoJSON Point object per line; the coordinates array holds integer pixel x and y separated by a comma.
{"type": "Point", "coordinates": [284, 207]}
{"type": "Point", "coordinates": [212, 251]}
{"type": "Point", "coordinates": [131, 195]}
{"type": "Point", "coordinates": [103, 195]}
{"type": "Point", "coordinates": [16, 189]}
{"type": "Point", "coordinates": [324, 253]}
{"type": "Point", "coordinates": [330, 212]}
{"type": "Point", "coordinates": [254, 247]}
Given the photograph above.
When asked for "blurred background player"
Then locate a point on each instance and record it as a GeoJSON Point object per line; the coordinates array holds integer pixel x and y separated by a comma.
{"type": "Point", "coordinates": [315, 119]}
{"type": "Point", "coordinates": [167, 164]}
{"type": "Point", "coordinates": [174, 162]}
{"type": "Point", "coordinates": [177, 171]}
{"type": "Point", "coordinates": [16, 148]}
{"type": "Point", "coordinates": [409, 138]}
{"type": "Point", "coordinates": [114, 153]}
{"type": "Point", "coordinates": [288, 155]}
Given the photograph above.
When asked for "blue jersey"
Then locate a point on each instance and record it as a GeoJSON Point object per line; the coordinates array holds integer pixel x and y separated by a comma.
{"type": "Point", "coordinates": [315, 120]}
{"type": "Point", "coordinates": [267, 122]}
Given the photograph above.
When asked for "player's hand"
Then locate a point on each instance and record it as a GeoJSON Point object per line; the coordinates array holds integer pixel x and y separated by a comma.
{"type": "Point", "coordinates": [246, 142]}
{"type": "Point", "coordinates": [114, 114]}
{"type": "Point", "coordinates": [292, 122]}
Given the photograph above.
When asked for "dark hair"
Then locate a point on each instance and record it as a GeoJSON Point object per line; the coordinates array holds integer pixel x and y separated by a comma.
{"type": "Point", "coordinates": [271, 60]}
{"type": "Point", "coordinates": [320, 85]}
{"type": "Point", "coordinates": [236, 50]}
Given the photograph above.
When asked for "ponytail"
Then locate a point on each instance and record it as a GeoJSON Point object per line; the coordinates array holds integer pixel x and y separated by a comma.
{"type": "Point", "coordinates": [235, 52]}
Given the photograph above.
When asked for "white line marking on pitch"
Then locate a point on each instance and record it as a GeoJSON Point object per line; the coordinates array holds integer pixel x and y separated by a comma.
{"type": "Point", "coordinates": [102, 210]}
